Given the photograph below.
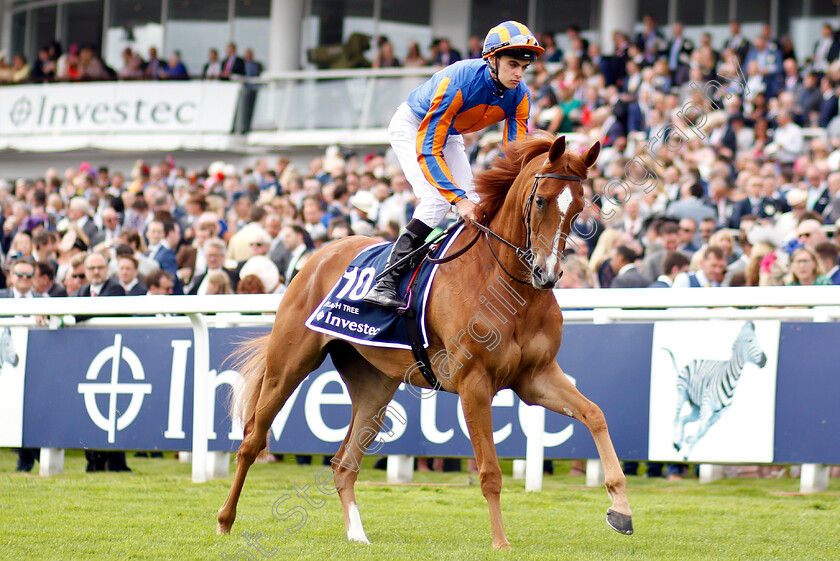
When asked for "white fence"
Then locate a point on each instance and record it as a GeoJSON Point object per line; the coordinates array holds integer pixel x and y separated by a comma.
{"type": "Point", "coordinates": [818, 304]}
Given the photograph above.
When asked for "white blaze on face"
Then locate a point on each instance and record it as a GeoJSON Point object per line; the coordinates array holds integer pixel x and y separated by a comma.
{"type": "Point", "coordinates": [564, 201]}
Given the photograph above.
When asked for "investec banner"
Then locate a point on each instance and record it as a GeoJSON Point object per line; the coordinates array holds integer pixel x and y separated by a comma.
{"type": "Point", "coordinates": [118, 107]}
{"type": "Point", "coordinates": [133, 389]}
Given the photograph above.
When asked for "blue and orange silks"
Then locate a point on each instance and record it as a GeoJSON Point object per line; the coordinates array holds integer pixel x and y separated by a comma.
{"type": "Point", "coordinates": [459, 99]}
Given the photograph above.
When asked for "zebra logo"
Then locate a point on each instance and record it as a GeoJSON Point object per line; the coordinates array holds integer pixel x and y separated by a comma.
{"type": "Point", "coordinates": [707, 386]}
{"type": "Point", "coordinates": [8, 354]}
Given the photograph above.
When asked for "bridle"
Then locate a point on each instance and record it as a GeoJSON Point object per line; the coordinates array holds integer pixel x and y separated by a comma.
{"type": "Point", "coordinates": [524, 255]}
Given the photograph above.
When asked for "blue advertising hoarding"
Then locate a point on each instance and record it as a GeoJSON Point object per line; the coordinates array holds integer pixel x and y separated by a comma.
{"type": "Point", "coordinates": [77, 396]}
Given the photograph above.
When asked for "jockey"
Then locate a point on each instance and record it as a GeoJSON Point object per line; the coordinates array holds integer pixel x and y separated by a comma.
{"type": "Point", "coordinates": [425, 134]}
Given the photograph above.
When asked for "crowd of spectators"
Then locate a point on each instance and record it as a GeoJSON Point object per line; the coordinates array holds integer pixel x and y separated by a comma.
{"type": "Point", "coordinates": [750, 198]}
{"type": "Point", "coordinates": [82, 63]}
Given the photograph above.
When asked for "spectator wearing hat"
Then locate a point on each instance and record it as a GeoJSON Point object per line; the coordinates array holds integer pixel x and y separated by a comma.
{"type": "Point", "coordinates": [364, 213]}
{"type": "Point", "coordinates": [261, 267]}
{"type": "Point", "coordinates": [796, 199]}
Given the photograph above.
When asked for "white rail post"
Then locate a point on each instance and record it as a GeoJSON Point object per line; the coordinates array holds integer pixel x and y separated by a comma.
{"type": "Point", "coordinates": [534, 449]}
{"type": "Point", "coordinates": [814, 478]}
{"type": "Point", "coordinates": [711, 472]}
{"type": "Point", "coordinates": [519, 469]}
{"type": "Point", "coordinates": [51, 462]}
{"type": "Point", "coordinates": [594, 473]}
{"type": "Point", "coordinates": [201, 363]}
{"type": "Point", "coordinates": [400, 468]}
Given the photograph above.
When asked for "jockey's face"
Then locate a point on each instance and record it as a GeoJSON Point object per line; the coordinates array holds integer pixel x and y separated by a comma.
{"type": "Point", "coordinates": [511, 71]}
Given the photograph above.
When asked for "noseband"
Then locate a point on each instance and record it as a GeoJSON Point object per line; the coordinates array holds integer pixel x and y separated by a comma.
{"type": "Point", "coordinates": [525, 255]}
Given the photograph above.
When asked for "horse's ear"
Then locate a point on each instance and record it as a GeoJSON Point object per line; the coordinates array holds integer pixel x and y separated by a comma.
{"type": "Point", "coordinates": [592, 154]}
{"type": "Point", "coordinates": [557, 149]}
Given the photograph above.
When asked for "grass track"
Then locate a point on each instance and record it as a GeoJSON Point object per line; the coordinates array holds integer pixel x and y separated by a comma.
{"type": "Point", "coordinates": [157, 513]}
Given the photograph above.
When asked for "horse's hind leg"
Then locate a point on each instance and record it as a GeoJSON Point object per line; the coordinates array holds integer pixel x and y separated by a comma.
{"type": "Point", "coordinates": [288, 360]}
{"type": "Point", "coordinates": [551, 389]}
{"type": "Point", "coordinates": [370, 390]}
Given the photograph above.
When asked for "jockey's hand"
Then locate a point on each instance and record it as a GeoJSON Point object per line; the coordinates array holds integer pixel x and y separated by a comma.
{"type": "Point", "coordinates": [469, 210]}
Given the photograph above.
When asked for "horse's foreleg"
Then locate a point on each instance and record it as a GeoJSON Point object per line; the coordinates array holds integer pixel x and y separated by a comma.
{"type": "Point", "coordinates": [551, 389]}
{"type": "Point", "coordinates": [370, 391]}
{"type": "Point", "coordinates": [476, 399]}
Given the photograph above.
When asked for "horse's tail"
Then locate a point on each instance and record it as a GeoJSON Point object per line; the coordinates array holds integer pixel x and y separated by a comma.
{"type": "Point", "coordinates": [249, 360]}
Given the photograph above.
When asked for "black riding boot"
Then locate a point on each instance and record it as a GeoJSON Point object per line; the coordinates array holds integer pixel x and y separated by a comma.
{"type": "Point", "coordinates": [385, 293]}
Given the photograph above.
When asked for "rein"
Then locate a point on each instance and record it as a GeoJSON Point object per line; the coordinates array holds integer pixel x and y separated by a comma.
{"type": "Point", "coordinates": [524, 255]}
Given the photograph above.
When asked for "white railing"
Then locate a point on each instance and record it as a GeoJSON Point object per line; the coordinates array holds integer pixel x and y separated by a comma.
{"type": "Point", "coordinates": [819, 304]}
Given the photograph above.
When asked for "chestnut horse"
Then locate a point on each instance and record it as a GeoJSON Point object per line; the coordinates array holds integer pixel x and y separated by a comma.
{"type": "Point", "coordinates": [532, 196]}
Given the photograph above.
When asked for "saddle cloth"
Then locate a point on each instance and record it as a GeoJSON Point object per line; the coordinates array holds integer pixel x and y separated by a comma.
{"type": "Point", "coordinates": [343, 314]}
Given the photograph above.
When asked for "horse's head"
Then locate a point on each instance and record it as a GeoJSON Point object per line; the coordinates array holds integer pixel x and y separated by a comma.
{"type": "Point", "coordinates": [554, 201]}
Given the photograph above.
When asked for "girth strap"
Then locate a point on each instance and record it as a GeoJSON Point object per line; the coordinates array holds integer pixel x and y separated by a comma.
{"type": "Point", "coordinates": [413, 329]}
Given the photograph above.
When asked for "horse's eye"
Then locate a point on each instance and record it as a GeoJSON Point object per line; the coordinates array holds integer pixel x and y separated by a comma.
{"type": "Point", "coordinates": [540, 201]}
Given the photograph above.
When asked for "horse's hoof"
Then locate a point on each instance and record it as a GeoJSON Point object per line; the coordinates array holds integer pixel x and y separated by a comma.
{"type": "Point", "coordinates": [621, 523]}
{"type": "Point", "coordinates": [224, 526]}
{"type": "Point", "coordinates": [504, 546]}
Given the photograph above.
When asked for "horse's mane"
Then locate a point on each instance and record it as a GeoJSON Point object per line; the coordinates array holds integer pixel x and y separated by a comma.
{"type": "Point", "coordinates": [493, 184]}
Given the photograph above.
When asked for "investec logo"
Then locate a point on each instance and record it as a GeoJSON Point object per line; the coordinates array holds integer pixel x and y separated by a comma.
{"type": "Point", "coordinates": [103, 378]}
{"type": "Point", "coordinates": [112, 421]}
{"type": "Point", "coordinates": [41, 111]}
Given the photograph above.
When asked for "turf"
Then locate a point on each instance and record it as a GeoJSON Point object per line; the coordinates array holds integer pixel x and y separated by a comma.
{"type": "Point", "coordinates": [156, 512]}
